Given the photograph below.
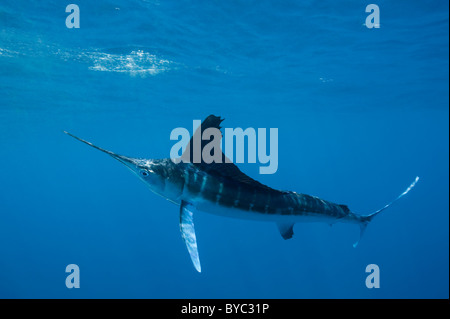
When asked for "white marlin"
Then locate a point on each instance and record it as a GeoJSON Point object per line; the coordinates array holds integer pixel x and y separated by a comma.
{"type": "Point", "coordinates": [222, 189]}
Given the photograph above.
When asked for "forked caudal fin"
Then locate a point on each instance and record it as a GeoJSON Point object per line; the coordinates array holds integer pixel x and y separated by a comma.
{"type": "Point", "coordinates": [365, 220]}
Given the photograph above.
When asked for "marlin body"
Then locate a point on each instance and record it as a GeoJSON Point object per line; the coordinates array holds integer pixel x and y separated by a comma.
{"type": "Point", "coordinates": [222, 189]}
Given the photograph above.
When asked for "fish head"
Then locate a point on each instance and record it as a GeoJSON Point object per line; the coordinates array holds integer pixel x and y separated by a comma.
{"type": "Point", "coordinates": [156, 174]}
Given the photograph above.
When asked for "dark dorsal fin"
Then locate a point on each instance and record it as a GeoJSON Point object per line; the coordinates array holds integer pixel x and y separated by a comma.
{"type": "Point", "coordinates": [345, 208]}
{"type": "Point", "coordinates": [226, 168]}
{"type": "Point", "coordinates": [211, 121]}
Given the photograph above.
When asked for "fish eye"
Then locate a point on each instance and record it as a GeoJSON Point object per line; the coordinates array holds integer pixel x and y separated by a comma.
{"type": "Point", "coordinates": [144, 172]}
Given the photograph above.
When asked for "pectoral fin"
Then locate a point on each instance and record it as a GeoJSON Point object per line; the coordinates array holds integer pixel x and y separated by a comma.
{"type": "Point", "coordinates": [188, 232]}
{"type": "Point", "coordinates": [286, 230]}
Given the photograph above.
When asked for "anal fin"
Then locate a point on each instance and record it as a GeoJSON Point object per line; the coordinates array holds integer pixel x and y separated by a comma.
{"type": "Point", "coordinates": [286, 230]}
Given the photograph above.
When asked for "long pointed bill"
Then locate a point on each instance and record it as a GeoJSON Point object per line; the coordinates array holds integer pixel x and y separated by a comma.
{"type": "Point", "coordinates": [127, 161]}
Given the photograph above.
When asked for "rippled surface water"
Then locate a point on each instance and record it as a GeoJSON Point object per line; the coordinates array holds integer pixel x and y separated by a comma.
{"type": "Point", "coordinates": [360, 113]}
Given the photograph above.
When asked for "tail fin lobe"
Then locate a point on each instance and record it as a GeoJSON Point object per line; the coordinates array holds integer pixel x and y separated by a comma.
{"type": "Point", "coordinates": [365, 220]}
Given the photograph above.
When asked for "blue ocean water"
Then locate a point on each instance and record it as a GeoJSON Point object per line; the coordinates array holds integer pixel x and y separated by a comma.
{"type": "Point", "coordinates": [360, 112]}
